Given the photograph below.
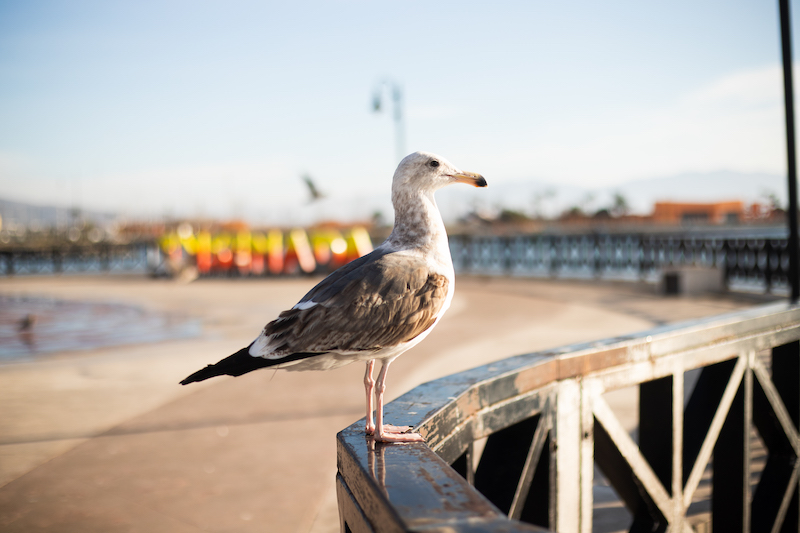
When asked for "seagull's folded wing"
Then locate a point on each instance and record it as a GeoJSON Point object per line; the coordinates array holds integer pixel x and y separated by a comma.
{"type": "Point", "coordinates": [378, 301]}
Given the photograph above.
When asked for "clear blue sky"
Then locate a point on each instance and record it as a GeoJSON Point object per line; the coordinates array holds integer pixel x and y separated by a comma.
{"type": "Point", "coordinates": [217, 108]}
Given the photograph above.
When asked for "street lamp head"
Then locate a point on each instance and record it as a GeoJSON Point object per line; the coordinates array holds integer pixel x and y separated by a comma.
{"type": "Point", "coordinates": [397, 104]}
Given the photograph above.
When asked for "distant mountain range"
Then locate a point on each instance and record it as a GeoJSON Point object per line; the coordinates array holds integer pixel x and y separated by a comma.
{"type": "Point", "coordinates": [529, 197]}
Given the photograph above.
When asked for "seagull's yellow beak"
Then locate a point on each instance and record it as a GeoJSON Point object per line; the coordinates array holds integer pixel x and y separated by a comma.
{"type": "Point", "coordinates": [470, 178]}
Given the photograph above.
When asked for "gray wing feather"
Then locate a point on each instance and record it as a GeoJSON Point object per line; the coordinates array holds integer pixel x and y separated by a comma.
{"type": "Point", "coordinates": [381, 300]}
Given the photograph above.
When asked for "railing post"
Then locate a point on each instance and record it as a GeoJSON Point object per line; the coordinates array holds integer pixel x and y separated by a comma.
{"type": "Point", "coordinates": [643, 249]}
{"type": "Point", "coordinates": [7, 256]}
{"type": "Point", "coordinates": [768, 251]}
{"type": "Point", "coordinates": [597, 254]}
{"type": "Point", "coordinates": [554, 259]}
{"type": "Point", "coordinates": [507, 244]}
{"type": "Point", "coordinates": [727, 250]}
{"type": "Point", "coordinates": [57, 260]}
{"type": "Point", "coordinates": [105, 258]}
{"type": "Point", "coordinates": [574, 459]}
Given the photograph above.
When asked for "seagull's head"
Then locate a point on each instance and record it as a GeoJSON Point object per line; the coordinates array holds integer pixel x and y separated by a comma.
{"type": "Point", "coordinates": [426, 172]}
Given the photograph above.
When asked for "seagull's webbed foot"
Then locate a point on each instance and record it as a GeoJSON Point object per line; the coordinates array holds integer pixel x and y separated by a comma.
{"type": "Point", "coordinates": [387, 428]}
{"type": "Point", "coordinates": [387, 436]}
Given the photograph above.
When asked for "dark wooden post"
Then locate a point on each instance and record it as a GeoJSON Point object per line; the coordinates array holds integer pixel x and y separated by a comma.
{"type": "Point", "coordinates": [791, 167]}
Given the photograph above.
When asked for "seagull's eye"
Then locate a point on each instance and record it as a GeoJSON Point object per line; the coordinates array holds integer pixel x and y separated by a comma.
{"type": "Point", "coordinates": [434, 163]}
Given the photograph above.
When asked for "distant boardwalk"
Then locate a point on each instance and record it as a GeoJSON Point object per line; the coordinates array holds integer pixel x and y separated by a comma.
{"type": "Point", "coordinates": [77, 259]}
{"type": "Point", "coordinates": [751, 259]}
{"type": "Point", "coordinates": [754, 259]}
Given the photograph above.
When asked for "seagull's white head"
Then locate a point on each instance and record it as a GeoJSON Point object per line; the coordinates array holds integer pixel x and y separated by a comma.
{"type": "Point", "coordinates": [426, 172]}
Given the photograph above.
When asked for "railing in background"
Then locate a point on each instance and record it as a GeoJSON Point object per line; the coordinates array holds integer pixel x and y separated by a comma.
{"type": "Point", "coordinates": [754, 262]}
{"type": "Point", "coordinates": [102, 257]}
{"type": "Point", "coordinates": [521, 437]}
{"type": "Point", "coordinates": [189, 255]}
{"type": "Point", "coordinates": [758, 262]}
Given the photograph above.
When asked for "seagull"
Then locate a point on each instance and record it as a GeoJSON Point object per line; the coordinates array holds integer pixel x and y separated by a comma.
{"type": "Point", "coordinates": [26, 323]}
{"type": "Point", "coordinates": [315, 193]}
{"type": "Point", "coordinates": [375, 307]}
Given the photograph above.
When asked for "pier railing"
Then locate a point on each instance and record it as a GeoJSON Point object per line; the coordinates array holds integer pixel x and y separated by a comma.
{"type": "Point", "coordinates": [522, 443]}
{"type": "Point", "coordinates": [753, 260]}
{"type": "Point", "coordinates": [75, 259]}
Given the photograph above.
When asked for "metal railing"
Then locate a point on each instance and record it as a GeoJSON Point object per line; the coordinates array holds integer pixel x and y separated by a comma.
{"type": "Point", "coordinates": [516, 442]}
{"type": "Point", "coordinates": [101, 257]}
{"type": "Point", "coordinates": [757, 261]}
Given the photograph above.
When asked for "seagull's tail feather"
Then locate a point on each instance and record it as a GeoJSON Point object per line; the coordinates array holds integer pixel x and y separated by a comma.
{"type": "Point", "coordinates": [240, 363]}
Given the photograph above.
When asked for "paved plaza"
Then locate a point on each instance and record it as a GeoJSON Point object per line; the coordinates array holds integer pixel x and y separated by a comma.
{"type": "Point", "coordinates": [105, 440]}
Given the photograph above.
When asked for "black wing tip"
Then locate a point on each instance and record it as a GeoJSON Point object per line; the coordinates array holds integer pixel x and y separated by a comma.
{"type": "Point", "coordinates": [188, 380]}
{"type": "Point", "coordinates": [200, 375]}
{"type": "Point", "coordinates": [241, 363]}
{"type": "Point", "coordinates": [234, 365]}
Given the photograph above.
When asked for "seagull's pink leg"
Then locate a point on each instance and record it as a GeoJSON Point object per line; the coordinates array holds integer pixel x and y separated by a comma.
{"type": "Point", "coordinates": [369, 385]}
{"type": "Point", "coordinates": [388, 433]}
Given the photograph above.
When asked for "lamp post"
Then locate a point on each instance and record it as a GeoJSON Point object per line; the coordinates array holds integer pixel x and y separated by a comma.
{"type": "Point", "coordinates": [791, 170]}
{"type": "Point", "coordinates": [397, 101]}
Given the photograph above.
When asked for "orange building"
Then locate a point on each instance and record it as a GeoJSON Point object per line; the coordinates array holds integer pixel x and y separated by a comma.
{"type": "Point", "coordinates": [732, 212]}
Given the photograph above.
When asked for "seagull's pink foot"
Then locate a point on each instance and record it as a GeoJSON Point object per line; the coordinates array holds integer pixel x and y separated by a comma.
{"type": "Point", "coordinates": [388, 428]}
{"type": "Point", "coordinates": [399, 437]}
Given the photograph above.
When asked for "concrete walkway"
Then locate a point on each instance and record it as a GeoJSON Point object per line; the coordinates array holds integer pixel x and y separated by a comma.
{"type": "Point", "coordinates": [107, 441]}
